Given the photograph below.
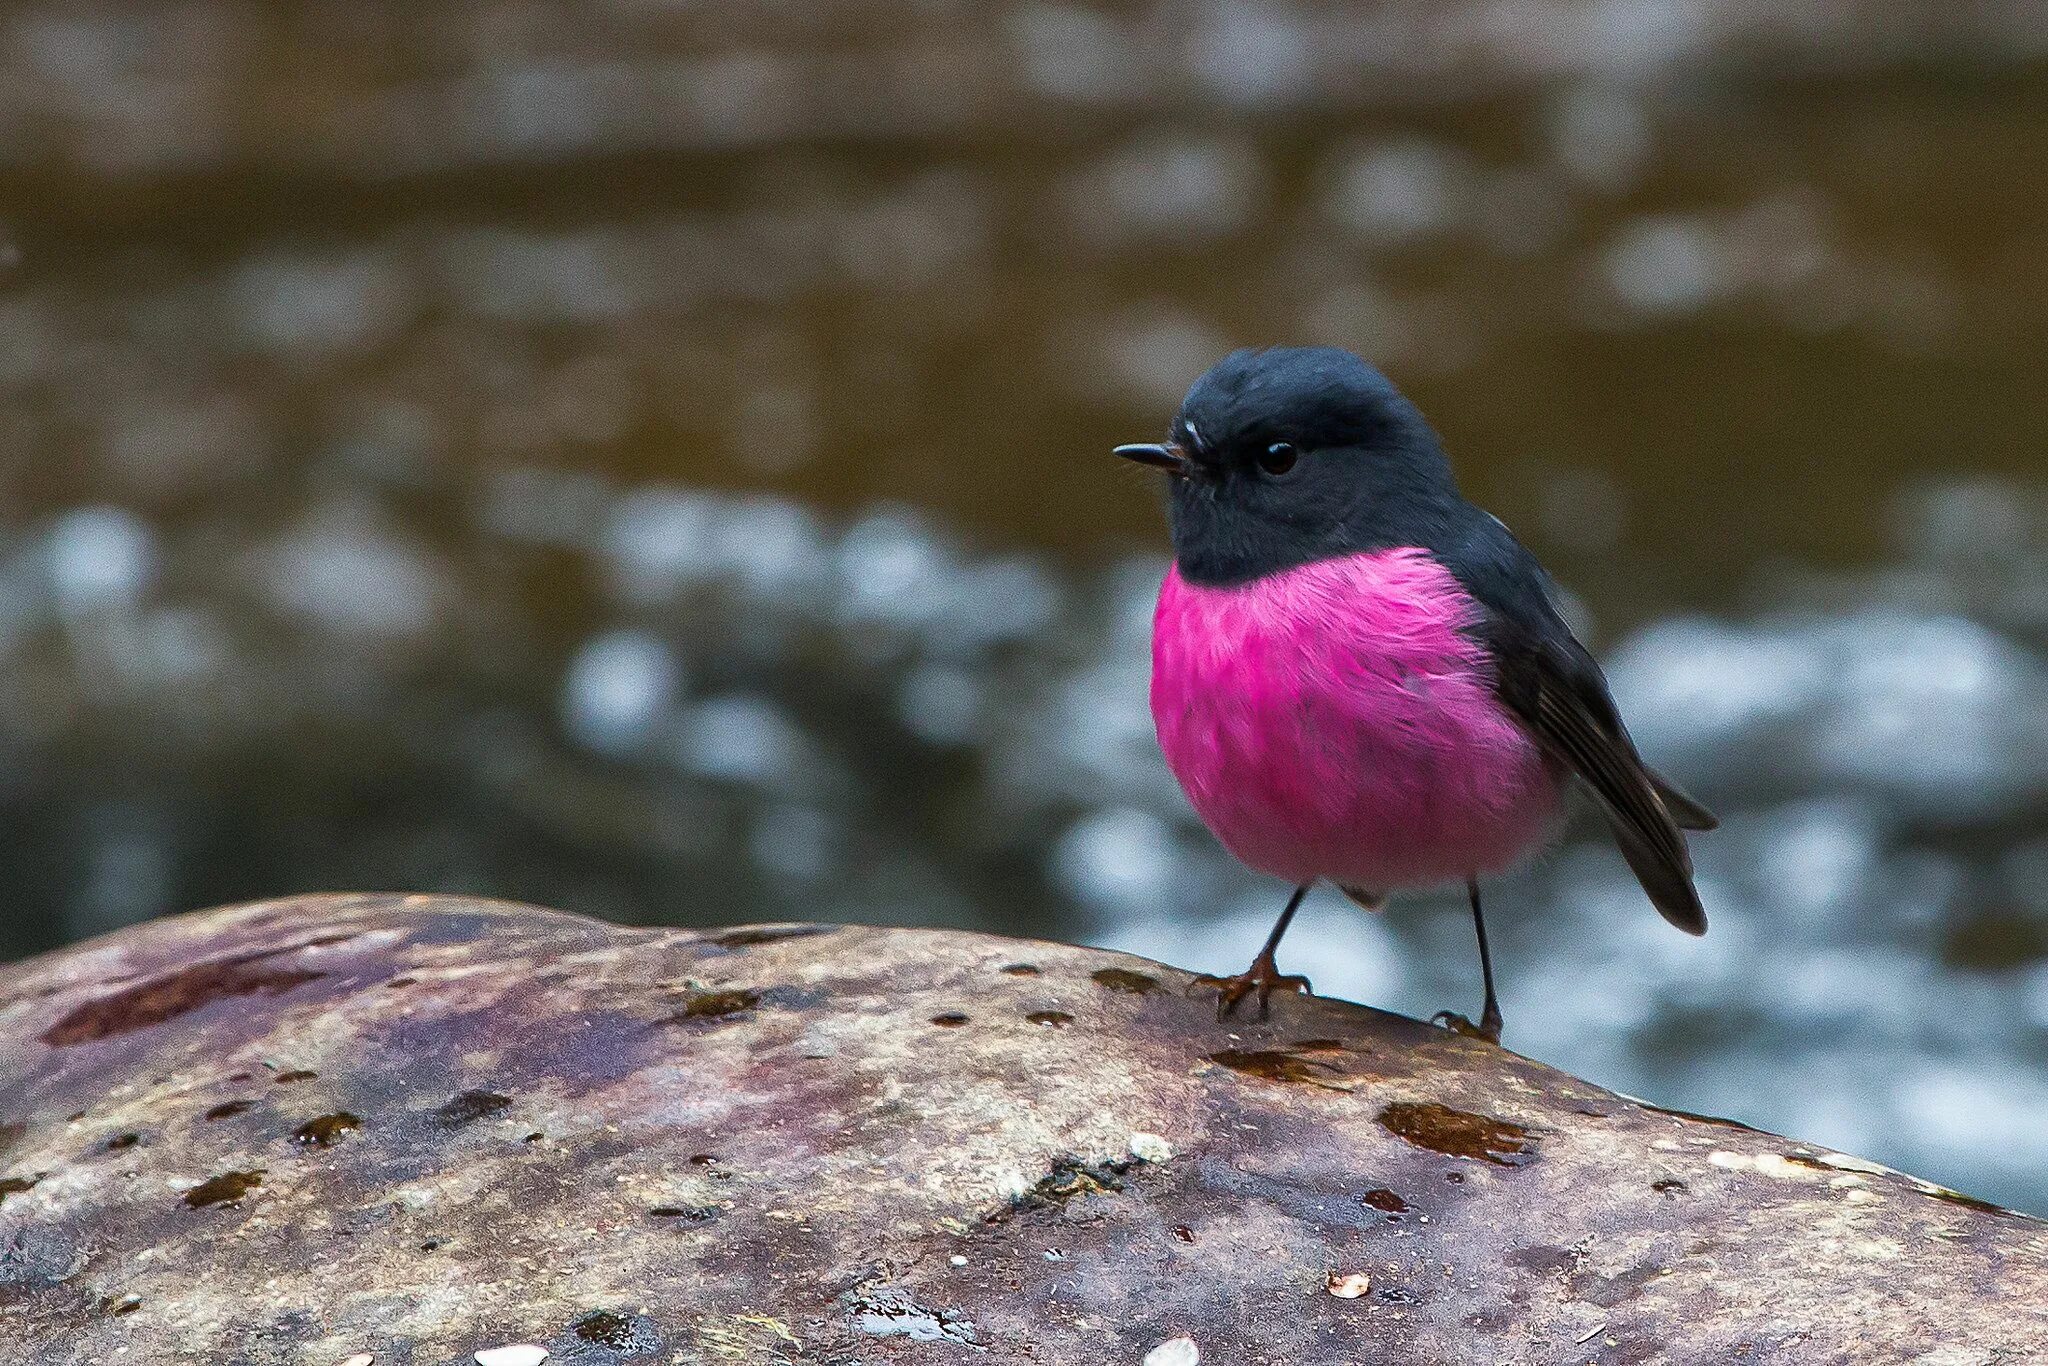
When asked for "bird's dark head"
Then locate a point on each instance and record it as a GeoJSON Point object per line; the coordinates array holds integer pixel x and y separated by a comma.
{"type": "Point", "coordinates": [1295, 454]}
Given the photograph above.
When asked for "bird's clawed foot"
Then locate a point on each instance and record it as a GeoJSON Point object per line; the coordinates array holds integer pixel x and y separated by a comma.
{"type": "Point", "coordinates": [1488, 1027]}
{"type": "Point", "coordinates": [1262, 978]}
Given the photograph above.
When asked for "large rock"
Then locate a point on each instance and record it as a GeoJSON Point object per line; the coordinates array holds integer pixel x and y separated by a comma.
{"type": "Point", "coordinates": [421, 1128]}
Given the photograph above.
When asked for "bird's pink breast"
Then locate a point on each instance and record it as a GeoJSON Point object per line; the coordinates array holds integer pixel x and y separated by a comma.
{"type": "Point", "coordinates": [1337, 721]}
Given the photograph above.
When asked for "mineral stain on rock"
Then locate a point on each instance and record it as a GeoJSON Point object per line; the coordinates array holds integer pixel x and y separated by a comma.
{"type": "Point", "coordinates": [1459, 1133]}
{"type": "Point", "coordinates": [607, 1329]}
{"type": "Point", "coordinates": [1071, 1177]}
{"type": "Point", "coordinates": [889, 1311]}
{"type": "Point", "coordinates": [226, 1189]}
{"type": "Point", "coordinates": [325, 1131]}
{"type": "Point", "coordinates": [1698, 1118]}
{"type": "Point", "coordinates": [227, 1109]}
{"type": "Point", "coordinates": [705, 1006]}
{"type": "Point", "coordinates": [1955, 1197]}
{"type": "Point", "coordinates": [689, 1214]}
{"type": "Point", "coordinates": [469, 1107]}
{"type": "Point", "coordinates": [750, 935]}
{"type": "Point", "coordinates": [1123, 979]}
{"type": "Point", "coordinates": [164, 998]}
{"type": "Point", "coordinates": [1385, 1201]}
{"type": "Point", "coordinates": [1280, 1065]}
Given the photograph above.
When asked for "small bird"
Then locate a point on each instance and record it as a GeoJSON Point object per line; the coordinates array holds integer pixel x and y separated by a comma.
{"type": "Point", "coordinates": [1358, 676]}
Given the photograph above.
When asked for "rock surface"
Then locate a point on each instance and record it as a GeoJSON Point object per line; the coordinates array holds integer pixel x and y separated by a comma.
{"type": "Point", "coordinates": [418, 1130]}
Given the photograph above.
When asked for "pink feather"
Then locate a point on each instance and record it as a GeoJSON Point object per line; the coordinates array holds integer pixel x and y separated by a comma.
{"type": "Point", "coordinates": [1336, 721]}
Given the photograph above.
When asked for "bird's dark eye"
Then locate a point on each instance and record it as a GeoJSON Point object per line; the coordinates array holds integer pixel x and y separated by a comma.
{"type": "Point", "coordinates": [1278, 458]}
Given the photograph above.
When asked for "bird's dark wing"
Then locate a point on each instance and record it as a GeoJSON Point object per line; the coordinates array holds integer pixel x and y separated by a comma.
{"type": "Point", "coordinates": [1554, 687]}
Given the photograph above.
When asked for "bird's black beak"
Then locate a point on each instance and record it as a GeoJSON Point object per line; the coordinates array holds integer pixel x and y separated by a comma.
{"type": "Point", "coordinates": [1160, 456]}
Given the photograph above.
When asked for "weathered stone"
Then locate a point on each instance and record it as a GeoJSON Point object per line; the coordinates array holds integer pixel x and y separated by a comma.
{"type": "Point", "coordinates": [426, 1128]}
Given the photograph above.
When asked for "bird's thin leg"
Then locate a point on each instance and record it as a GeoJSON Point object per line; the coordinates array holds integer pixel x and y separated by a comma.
{"type": "Point", "coordinates": [1489, 1015]}
{"type": "Point", "coordinates": [1489, 1024]}
{"type": "Point", "coordinates": [1264, 975]}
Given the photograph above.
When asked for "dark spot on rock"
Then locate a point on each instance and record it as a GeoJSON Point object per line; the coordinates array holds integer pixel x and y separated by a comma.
{"type": "Point", "coordinates": [702, 1006]}
{"type": "Point", "coordinates": [1051, 1019]}
{"type": "Point", "coordinates": [1699, 1118]}
{"type": "Point", "coordinates": [1459, 1133]}
{"type": "Point", "coordinates": [690, 1214]}
{"type": "Point", "coordinates": [534, 1138]}
{"type": "Point", "coordinates": [1499, 1319]}
{"type": "Point", "coordinates": [1455, 1178]}
{"type": "Point", "coordinates": [469, 1107]}
{"type": "Point", "coordinates": [227, 1109]}
{"type": "Point", "coordinates": [1667, 1186]}
{"type": "Point", "coordinates": [1385, 1201]}
{"type": "Point", "coordinates": [1608, 1291]}
{"type": "Point", "coordinates": [1184, 1233]}
{"type": "Point", "coordinates": [294, 1077]}
{"type": "Point", "coordinates": [1022, 969]}
{"type": "Point", "coordinates": [606, 1329]}
{"type": "Point", "coordinates": [165, 998]}
{"type": "Point", "coordinates": [120, 1141]}
{"type": "Point", "coordinates": [1631, 1351]}
{"type": "Point", "coordinates": [433, 1244]}
{"type": "Point", "coordinates": [702, 1159]}
{"type": "Point", "coordinates": [15, 1185]}
{"type": "Point", "coordinates": [603, 1335]}
{"type": "Point", "coordinates": [889, 1311]}
{"type": "Point", "coordinates": [1966, 1201]}
{"type": "Point", "coordinates": [1071, 1178]}
{"type": "Point", "coordinates": [1123, 979]}
{"type": "Point", "coordinates": [1277, 1065]}
{"type": "Point", "coordinates": [326, 1130]}
{"type": "Point", "coordinates": [769, 934]}
{"type": "Point", "coordinates": [1395, 1294]}
{"type": "Point", "coordinates": [226, 1189]}
{"type": "Point", "coordinates": [1544, 1260]}
{"type": "Point", "coordinates": [952, 1019]}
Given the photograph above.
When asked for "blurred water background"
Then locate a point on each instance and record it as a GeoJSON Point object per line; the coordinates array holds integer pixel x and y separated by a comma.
{"type": "Point", "coordinates": [651, 459]}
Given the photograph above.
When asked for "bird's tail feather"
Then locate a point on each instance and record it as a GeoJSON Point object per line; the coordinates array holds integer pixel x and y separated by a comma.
{"type": "Point", "coordinates": [1686, 813]}
{"type": "Point", "coordinates": [1668, 885]}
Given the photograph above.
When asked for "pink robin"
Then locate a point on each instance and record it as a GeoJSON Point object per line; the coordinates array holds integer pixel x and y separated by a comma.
{"type": "Point", "coordinates": [1358, 676]}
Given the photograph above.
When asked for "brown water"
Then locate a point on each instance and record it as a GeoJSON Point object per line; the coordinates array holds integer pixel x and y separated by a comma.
{"type": "Point", "coordinates": [654, 463]}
